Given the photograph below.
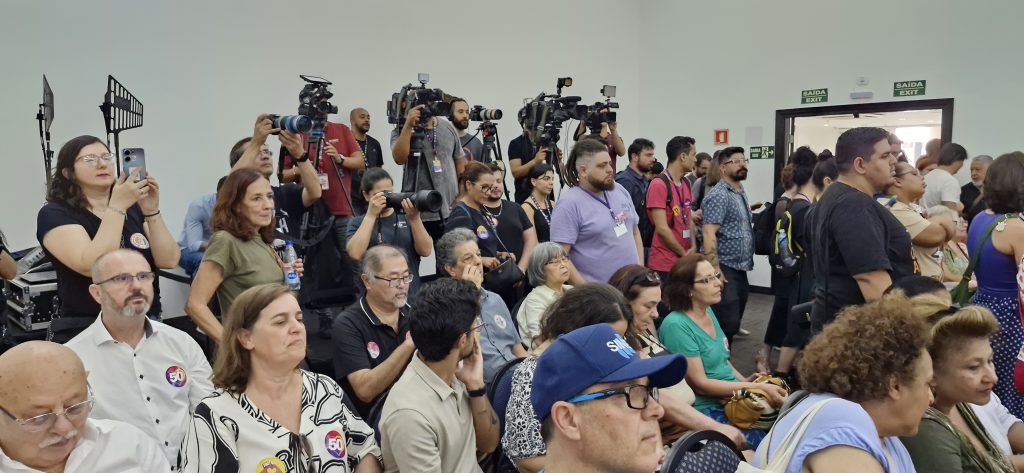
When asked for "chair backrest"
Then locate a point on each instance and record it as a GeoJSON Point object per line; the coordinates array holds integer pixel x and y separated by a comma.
{"type": "Point", "coordinates": [499, 393]}
{"type": "Point", "coordinates": [373, 417]}
{"type": "Point", "coordinates": [705, 451]}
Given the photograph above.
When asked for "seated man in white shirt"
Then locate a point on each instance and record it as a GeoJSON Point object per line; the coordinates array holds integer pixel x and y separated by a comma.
{"type": "Point", "coordinates": [141, 371]}
{"type": "Point", "coordinates": [44, 419]}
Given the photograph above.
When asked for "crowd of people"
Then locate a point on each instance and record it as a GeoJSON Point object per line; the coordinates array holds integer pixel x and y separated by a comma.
{"type": "Point", "coordinates": [585, 332]}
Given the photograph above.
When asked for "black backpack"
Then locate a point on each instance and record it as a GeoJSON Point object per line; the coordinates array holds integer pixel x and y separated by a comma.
{"type": "Point", "coordinates": [786, 255]}
{"type": "Point", "coordinates": [764, 228]}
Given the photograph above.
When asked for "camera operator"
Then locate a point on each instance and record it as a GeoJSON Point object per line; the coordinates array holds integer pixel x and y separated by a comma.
{"type": "Point", "coordinates": [523, 155]}
{"type": "Point", "coordinates": [359, 119]}
{"type": "Point", "coordinates": [383, 225]}
{"type": "Point", "coordinates": [89, 212]}
{"type": "Point", "coordinates": [609, 135]}
{"type": "Point", "coordinates": [439, 167]}
{"type": "Point", "coordinates": [472, 147]}
{"type": "Point", "coordinates": [290, 200]}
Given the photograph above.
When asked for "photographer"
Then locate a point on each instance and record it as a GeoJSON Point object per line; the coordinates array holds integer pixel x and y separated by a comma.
{"type": "Point", "coordinates": [89, 212]}
{"type": "Point", "coordinates": [438, 169]}
{"type": "Point", "coordinates": [472, 147]}
{"type": "Point", "coordinates": [383, 225]}
{"type": "Point", "coordinates": [609, 135]}
{"type": "Point", "coordinates": [359, 119]}
{"type": "Point", "coordinates": [523, 155]}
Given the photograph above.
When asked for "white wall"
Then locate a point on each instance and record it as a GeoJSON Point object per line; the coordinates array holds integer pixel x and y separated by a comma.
{"type": "Point", "coordinates": [205, 70]}
{"type": "Point", "coordinates": [709, 65]}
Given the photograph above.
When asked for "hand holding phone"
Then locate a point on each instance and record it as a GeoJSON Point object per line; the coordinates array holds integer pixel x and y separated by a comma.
{"type": "Point", "coordinates": [132, 158]}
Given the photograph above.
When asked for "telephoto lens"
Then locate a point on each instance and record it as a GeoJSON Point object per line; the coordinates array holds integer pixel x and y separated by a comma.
{"type": "Point", "coordinates": [480, 114]}
{"type": "Point", "coordinates": [424, 201]}
{"type": "Point", "coordinates": [292, 123]}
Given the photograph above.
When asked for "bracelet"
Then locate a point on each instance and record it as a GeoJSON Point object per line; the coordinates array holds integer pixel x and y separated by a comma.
{"type": "Point", "coordinates": [154, 214]}
{"type": "Point", "coordinates": [122, 212]}
{"type": "Point", "coordinates": [303, 158]}
{"type": "Point", "coordinates": [477, 392]}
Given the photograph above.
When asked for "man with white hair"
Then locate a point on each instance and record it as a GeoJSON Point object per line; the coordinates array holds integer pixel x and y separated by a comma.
{"type": "Point", "coordinates": [142, 372]}
{"type": "Point", "coordinates": [970, 193]}
{"type": "Point", "coordinates": [44, 419]}
{"type": "Point", "coordinates": [595, 221]}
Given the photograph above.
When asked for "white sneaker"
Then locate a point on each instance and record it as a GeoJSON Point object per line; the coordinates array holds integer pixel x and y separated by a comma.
{"type": "Point", "coordinates": [744, 332]}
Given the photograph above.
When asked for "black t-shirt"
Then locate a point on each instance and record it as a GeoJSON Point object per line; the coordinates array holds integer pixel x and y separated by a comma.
{"type": "Point", "coordinates": [72, 287]}
{"type": "Point", "coordinates": [463, 216]}
{"type": "Point", "coordinates": [392, 230]}
{"type": "Point", "coordinates": [288, 210]}
{"type": "Point", "coordinates": [522, 148]}
{"type": "Point", "coordinates": [361, 341]}
{"type": "Point", "coordinates": [512, 222]}
{"type": "Point", "coordinates": [855, 235]}
{"type": "Point", "coordinates": [374, 159]}
{"type": "Point", "coordinates": [541, 221]}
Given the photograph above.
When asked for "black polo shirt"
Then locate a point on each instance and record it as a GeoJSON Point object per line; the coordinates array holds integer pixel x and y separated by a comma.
{"type": "Point", "coordinates": [361, 341]}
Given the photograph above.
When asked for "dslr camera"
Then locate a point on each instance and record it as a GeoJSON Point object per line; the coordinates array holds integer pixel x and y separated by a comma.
{"type": "Point", "coordinates": [424, 201]}
{"type": "Point", "coordinates": [435, 102]}
{"type": "Point", "coordinates": [480, 114]}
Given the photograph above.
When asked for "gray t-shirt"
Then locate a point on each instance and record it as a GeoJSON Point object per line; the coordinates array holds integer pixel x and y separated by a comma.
{"type": "Point", "coordinates": [423, 173]}
{"type": "Point", "coordinates": [473, 148]}
{"type": "Point", "coordinates": [497, 336]}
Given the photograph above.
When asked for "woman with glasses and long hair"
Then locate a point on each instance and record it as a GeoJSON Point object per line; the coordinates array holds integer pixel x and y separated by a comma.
{"type": "Point", "coordinates": [268, 412]}
{"type": "Point", "coordinates": [538, 206]}
{"type": "Point", "coordinates": [692, 330]}
{"type": "Point", "coordinates": [91, 211]}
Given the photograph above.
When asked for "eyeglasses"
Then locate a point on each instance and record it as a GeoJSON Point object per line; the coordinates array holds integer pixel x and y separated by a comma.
{"type": "Point", "coordinates": [708, 279]}
{"type": "Point", "coordinates": [650, 277]}
{"type": "Point", "coordinates": [126, 279]}
{"type": "Point", "coordinates": [737, 161]}
{"type": "Point", "coordinates": [476, 327]}
{"type": "Point", "coordinates": [94, 159]}
{"type": "Point", "coordinates": [638, 396]}
{"type": "Point", "coordinates": [397, 282]}
{"type": "Point", "coordinates": [44, 422]}
{"type": "Point", "coordinates": [557, 260]}
{"type": "Point", "coordinates": [266, 152]}
{"type": "Point", "coordinates": [486, 187]}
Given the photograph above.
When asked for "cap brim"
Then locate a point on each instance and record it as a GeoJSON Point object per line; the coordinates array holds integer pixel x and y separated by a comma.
{"type": "Point", "coordinates": [663, 371]}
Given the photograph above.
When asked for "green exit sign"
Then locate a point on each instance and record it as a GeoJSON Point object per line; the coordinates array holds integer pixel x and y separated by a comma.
{"type": "Point", "coordinates": [814, 96]}
{"type": "Point", "coordinates": [761, 152]}
{"type": "Point", "coordinates": [908, 88]}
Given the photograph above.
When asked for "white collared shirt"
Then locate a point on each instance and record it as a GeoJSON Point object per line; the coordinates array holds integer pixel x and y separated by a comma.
{"type": "Point", "coordinates": [154, 387]}
{"type": "Point", "coordinates": [106, 446]}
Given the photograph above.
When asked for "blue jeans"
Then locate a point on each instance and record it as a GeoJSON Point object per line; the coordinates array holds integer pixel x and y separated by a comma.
{"type": "Point", "coordinates": [190, 260]}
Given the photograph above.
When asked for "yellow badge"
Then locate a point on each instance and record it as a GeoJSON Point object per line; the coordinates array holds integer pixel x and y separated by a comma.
{"type": "Point", "coordinates": [270, 465]}
{"type": "Point", "coordinates": [676, 210]}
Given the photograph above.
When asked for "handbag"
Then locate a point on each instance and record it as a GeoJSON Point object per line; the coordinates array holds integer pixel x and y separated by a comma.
{"type": "Point", "coordinates": [962, 293]}
{"type": "Point", "coordinates": [506, 275]}
{"type": "Point", "coordinates": [786, 449]}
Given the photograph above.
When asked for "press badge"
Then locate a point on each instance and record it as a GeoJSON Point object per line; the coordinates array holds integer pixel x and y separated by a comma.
{"type": "Point", "coordinates": [620, 229]}
{"type": "Point", "coordinates": [437, 165]}
{"type": "Point", "coordinates": [324, 183]}
{"type": "Point", "coordinates": [686, 233]}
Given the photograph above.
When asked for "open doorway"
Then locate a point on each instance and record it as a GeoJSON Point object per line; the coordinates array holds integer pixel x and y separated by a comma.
{"type": "Point", "coordinates": [914, 122]}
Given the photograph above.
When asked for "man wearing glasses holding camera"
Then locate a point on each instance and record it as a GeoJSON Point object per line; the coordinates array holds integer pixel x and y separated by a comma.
{"type": "Point", "coordinates": [143, 372]}
{"type": "Point", "coordinates": [597, 402]}
{"type": "Point", "coordinates": [44, 419]}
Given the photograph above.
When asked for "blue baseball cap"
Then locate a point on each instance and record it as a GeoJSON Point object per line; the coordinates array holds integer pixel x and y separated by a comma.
{"type": "Point", "coordinates": [591, 355]}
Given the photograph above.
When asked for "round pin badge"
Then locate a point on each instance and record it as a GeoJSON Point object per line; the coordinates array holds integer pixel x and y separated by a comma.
{"type": "Point", "coordinates": [500, 321]}
{"type": "Point", "coordinates": [335, 444]}
{"type": "Point", "coordinates": [176, 376]}
{"type": "Point", "coordinates": [271, 465]}
{"type": "Point", "coordinates": [139, 241]}
{"type": "Point", "coordinates": [373, 350]}
{"type": "Point", "coordinates": [481, 233]}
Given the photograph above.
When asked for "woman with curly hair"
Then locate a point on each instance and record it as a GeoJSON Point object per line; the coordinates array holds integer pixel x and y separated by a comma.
{"type": "Point", "coordinates": [872, 369]}
{"type": "Point", "coordinates": [952, 438]}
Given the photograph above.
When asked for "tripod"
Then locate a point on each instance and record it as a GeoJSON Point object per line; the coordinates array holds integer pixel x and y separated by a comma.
{"type": "Point", "coordinates": [492, 147]}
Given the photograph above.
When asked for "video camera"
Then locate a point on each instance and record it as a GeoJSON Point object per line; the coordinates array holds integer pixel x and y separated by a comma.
{"type": "Point", "coordinates": [601, 112]}
{"type": "Point", "coordinates": [543, 116]}
{"type": "Point", "coordinates": [435, 102]}
{"type": "Point", "coordinates": [314, 106]}
{"type": "Point", "coordinates": [424, 201]}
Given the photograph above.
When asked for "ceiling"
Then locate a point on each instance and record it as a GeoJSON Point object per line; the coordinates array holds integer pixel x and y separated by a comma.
{"type": "Point", "coordinates": [910, 118]}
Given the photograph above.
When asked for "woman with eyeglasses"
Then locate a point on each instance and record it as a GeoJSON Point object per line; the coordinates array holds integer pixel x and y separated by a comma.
{"type": "Point", "coordinates": [239, 255]}
{"type": "Point", "coordinates": [268, 412]}
{"type": "Point", "coordinates": [538, 206]}
{"type": "Point", "coordinates": [692, 330]}
{"type": "Point", "coordinates": [548, 273]}
{"type": "Point", "coordinates": [91, 211]}
{"type": "Point", "coordinates": [928, 234]}
{"type": "Point", "coordinates": [475, 185]}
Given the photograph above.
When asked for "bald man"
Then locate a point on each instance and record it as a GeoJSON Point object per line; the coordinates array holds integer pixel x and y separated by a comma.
{"type": "Point", "coordinates": [45, 424]}
{"type": "Point", "coordinates": [359, 118]}
{"type": "Point", "coordinates": [142, 372]}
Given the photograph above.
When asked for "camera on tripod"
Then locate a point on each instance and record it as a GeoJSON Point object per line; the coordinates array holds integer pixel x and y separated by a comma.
{"type": "Point", "coordinates": [480, 114]}
{"type": "Point", "coordinates": [543, 116]}
{"type": "Point", "coordinates": [424, 201]}
{"type": "Point", "coordinates": [435, 102]}
{"type": "Point", "coordinates": [602, 112]}
{"type": "Point", "coordinates": [314, 99]}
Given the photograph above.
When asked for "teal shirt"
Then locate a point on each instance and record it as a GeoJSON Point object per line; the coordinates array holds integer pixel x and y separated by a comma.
{"type": "Point", "coordinates": [682, 336]}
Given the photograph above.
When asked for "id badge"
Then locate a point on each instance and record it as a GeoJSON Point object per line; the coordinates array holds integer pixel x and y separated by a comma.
{"type": "Point", "coordinates": [324, 182]}
{"type": "Point", "coordinates": [686, 233]}
{"type": "Point", "coordinates": [620, 229]}
{"type": "Point", "coordinates": [437, 165]}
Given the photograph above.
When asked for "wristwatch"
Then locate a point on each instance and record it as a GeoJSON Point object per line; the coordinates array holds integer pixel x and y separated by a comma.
{"type": "Point", "coordinates": [302, 159]}
{"type": "Point", "coordinates": [477, 392]}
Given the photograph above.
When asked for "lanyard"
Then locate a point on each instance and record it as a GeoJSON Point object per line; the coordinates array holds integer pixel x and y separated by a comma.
{"type": "Point", "coordinates": [678, 191]}
{"type": "Point", "coordinates": [536, 205]}
{"type": "Point", "coordinates": [603, 202]}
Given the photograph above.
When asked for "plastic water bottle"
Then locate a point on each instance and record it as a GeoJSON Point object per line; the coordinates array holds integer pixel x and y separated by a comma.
{"type": "Point", "coordinates": [291, 277]}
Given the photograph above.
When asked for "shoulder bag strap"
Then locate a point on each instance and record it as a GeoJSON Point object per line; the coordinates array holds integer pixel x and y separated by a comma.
{"type": "Point", "coordinates": [976, 254]}
{"type": "Point", "coordinates": [786, 449]}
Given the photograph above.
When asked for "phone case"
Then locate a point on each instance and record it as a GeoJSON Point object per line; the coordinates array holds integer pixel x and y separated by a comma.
{"type": "Point", "coordinates": [132, 158]}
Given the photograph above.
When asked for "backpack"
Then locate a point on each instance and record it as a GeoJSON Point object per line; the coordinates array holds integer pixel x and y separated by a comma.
{"type": "Point", "coordinates": [764, 228]}
{"type": "Point", "coordinates": [786, 255]}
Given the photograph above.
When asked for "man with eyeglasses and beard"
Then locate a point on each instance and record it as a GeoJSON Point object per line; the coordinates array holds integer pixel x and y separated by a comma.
{"type": "Point", "coordinates": [44, 419]}
{"type": "Point", "coordinates": [142, 372]}
{"type": "Point", "coordinates": [729, 237]}
{"type": "Point", "coordinates": [371, 341]}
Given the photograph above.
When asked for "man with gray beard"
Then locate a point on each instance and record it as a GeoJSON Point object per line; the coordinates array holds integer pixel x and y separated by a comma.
{"type": "Point", "coordinates": [142, 372]}
{"type": "Point", "coordinates": [371, 337]}
{"type": "Point", "coordinates": [45, 424]}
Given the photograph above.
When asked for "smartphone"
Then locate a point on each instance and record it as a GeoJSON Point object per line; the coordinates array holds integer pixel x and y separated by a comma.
{"type": "Point", "coordinates": [132, 158]}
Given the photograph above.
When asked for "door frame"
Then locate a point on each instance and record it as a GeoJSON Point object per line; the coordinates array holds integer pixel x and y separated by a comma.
{"type": "Point", "coordinates": [784, 122]}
